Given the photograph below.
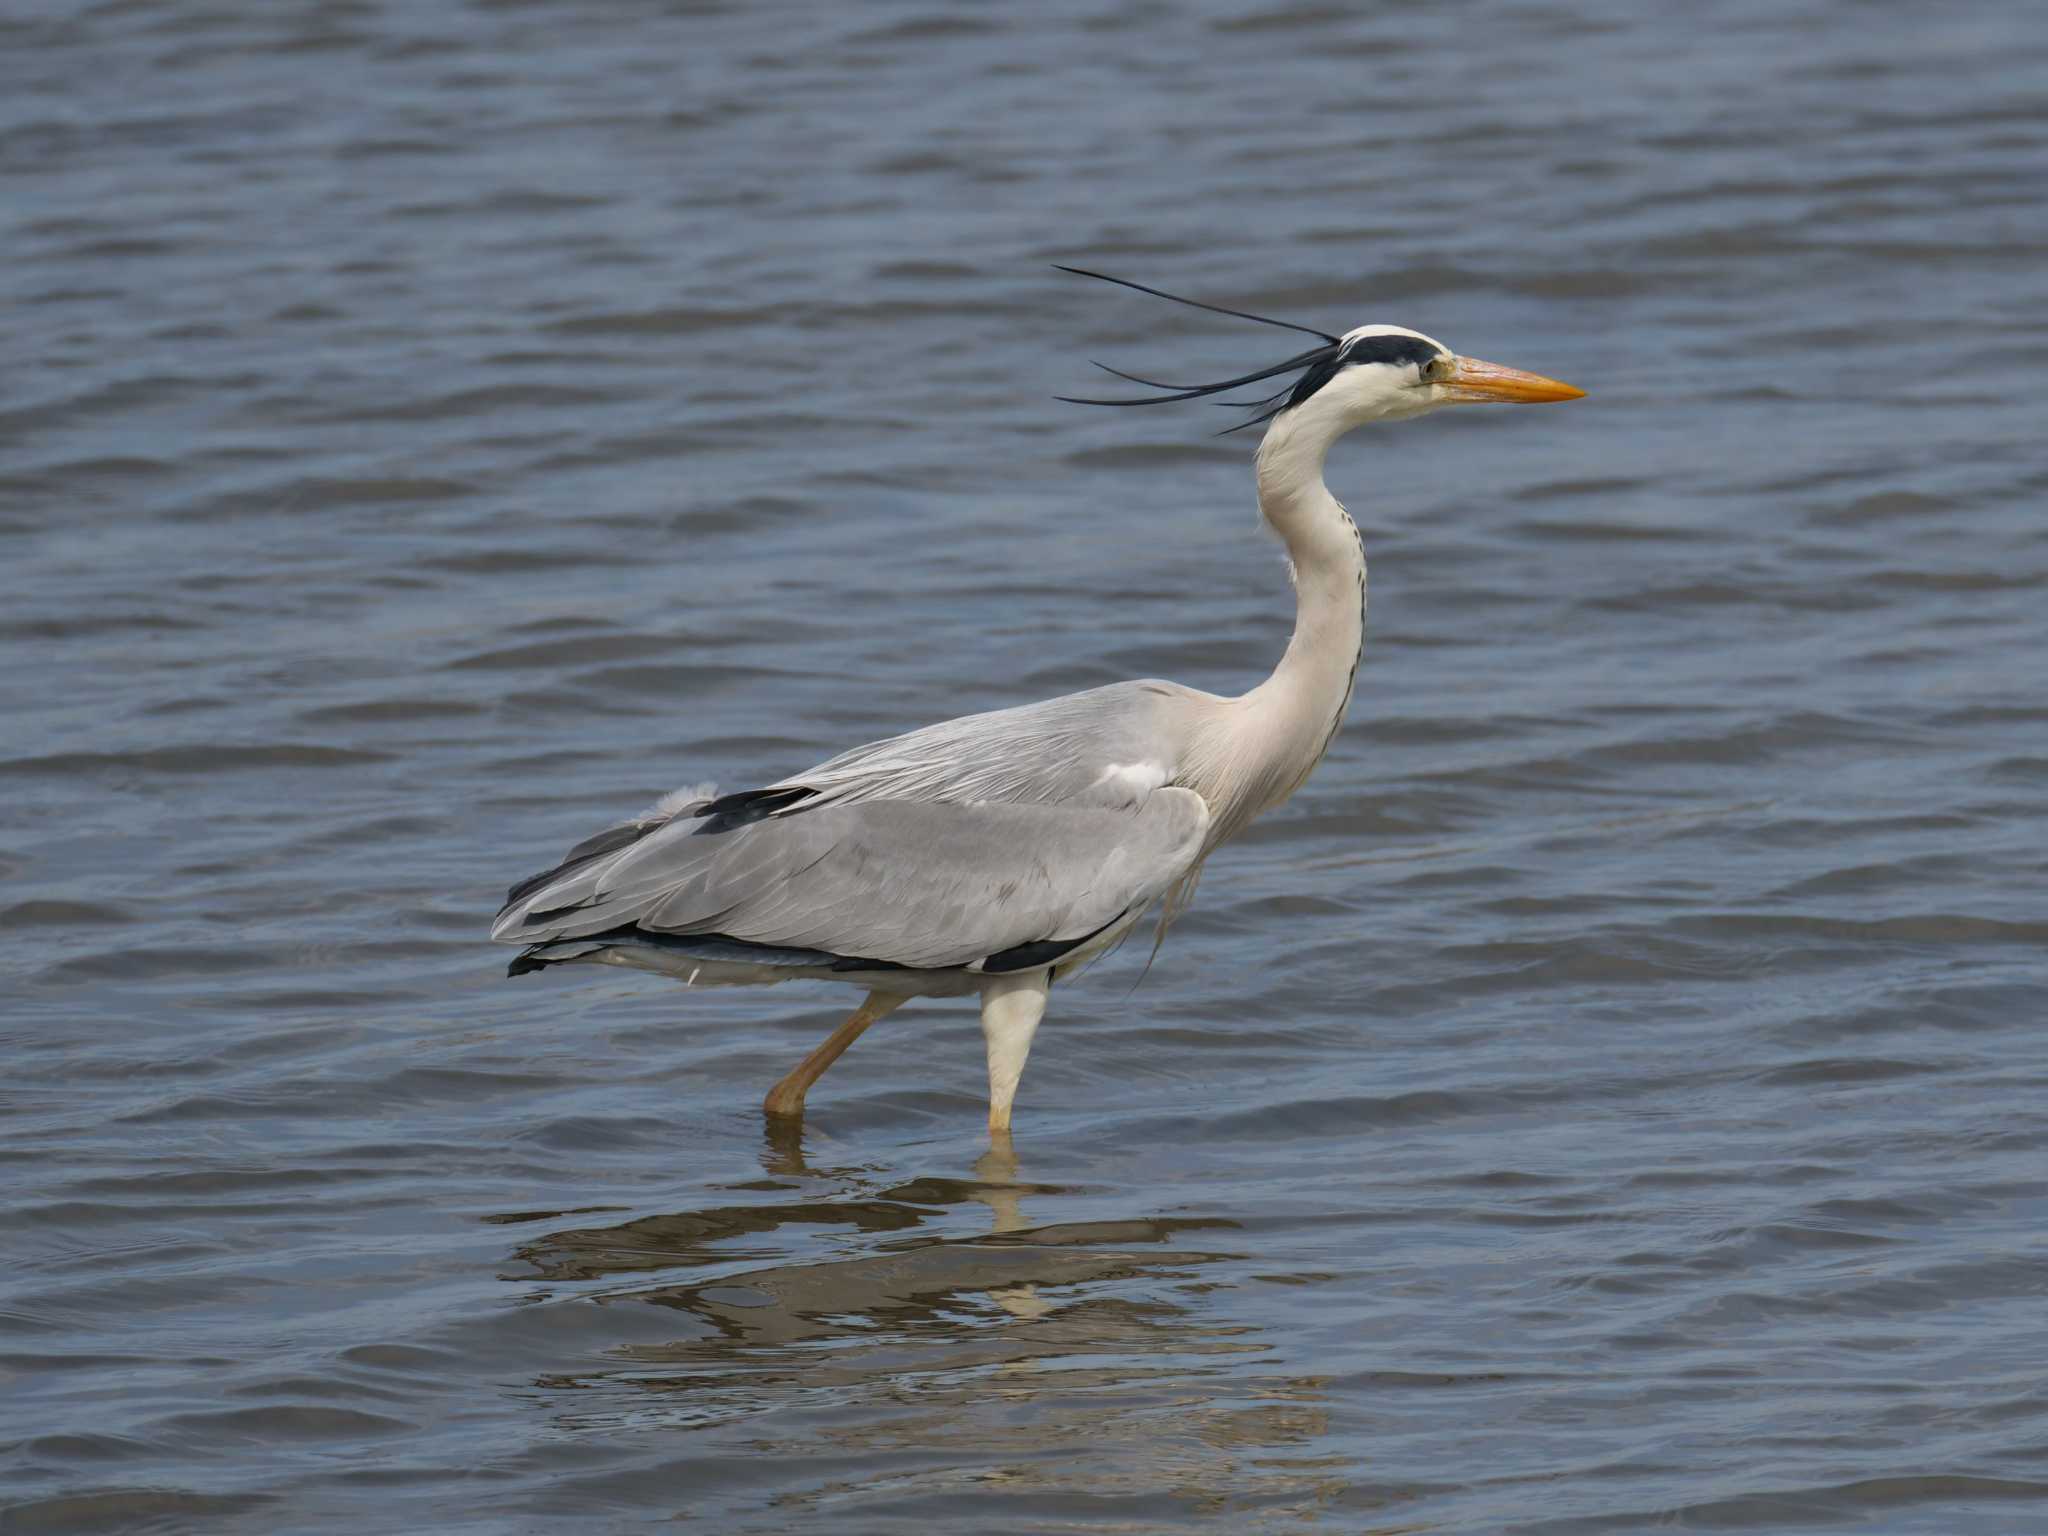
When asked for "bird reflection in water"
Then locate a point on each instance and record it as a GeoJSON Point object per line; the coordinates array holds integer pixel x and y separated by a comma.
{"type": "Point", "coordinates": [997, 1170]}
{"type": "Point", "coordinates": [1092, 1340]}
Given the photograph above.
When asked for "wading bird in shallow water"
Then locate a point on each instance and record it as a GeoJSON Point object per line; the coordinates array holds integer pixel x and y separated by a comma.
{"type": "Point", "coordinates": [995, 853]}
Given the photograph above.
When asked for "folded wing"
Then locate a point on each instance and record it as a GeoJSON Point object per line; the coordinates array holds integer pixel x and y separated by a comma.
{"type": "Point", "coordinates": [923, 883]}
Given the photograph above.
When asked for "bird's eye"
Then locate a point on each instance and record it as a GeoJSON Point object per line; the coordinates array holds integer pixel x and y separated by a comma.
{"type": "Point", "coordinates": [1436, 369]}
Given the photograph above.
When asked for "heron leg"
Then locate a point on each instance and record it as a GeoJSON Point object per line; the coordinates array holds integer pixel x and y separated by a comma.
{"type": "Point", "coordinates": [787, 1096]}
{"type": "Point", "coordinates": [1011, 1007]}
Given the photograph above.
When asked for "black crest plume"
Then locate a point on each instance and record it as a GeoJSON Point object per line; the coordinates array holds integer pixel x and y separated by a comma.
{"type": "Point", "coordinates": [1317, 365]}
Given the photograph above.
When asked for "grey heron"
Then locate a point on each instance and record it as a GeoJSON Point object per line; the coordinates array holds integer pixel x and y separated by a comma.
{"type": "Point", "coordinates": [997, 852]}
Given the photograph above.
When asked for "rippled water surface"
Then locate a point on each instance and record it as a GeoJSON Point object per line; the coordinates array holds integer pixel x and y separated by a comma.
{"type": "Point", "coordinates": [1610, 1095]}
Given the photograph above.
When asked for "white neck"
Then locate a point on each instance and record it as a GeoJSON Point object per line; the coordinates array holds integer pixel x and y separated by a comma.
{"type": "Point", "coordinates": [1265, 743]}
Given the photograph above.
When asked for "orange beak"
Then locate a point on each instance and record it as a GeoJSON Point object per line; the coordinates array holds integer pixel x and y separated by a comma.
{"type": "Point", "coordinates": [1474, 380]}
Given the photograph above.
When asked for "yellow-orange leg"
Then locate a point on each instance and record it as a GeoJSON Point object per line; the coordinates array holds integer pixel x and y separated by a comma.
{"type": "Point", "coordinates": [787, 1096]}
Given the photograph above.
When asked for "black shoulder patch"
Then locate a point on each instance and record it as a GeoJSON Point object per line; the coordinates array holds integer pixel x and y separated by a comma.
{"type": "Point", "coordinates": [746, 806]}
{"type": "Point", "coordinates": [1029, 957]}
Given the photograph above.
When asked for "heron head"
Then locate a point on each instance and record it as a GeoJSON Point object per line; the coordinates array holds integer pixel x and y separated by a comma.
{"type": "Point", "coordinates": [1373, 373]}
{"type": "Point", "coordinates": [1385, 372]}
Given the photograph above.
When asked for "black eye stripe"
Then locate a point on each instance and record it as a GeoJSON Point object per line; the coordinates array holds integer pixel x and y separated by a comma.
{"type": "Point", "coordinates": [1390, 349]}
{"type": "Point", "coordinates": [1367, 349]}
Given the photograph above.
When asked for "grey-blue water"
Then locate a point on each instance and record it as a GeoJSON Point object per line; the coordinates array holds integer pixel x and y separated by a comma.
{"type": "Point", "coordinates": [1612, 1095]}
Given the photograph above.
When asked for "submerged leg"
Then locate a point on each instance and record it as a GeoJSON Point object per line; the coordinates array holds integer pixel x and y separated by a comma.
{"type": "Point", "coordinates": [1011, 1007]}
{"type": "Point", "coordinates": [787, 1096]}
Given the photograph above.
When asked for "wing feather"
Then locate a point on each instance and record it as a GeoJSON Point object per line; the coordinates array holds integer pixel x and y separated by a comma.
{"type": "Point", "coordinates": [918, 883]}
{"type": "Point", "coordinates": [1106, 746]}
{"type": "Point", "coordinates": [935, 848]}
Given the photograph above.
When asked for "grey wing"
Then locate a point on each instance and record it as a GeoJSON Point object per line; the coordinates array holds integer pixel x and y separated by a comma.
{"type": "Point", "coordinates": [1106, 746]}
{"type": "Point", "coordinates": [913, 883]}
